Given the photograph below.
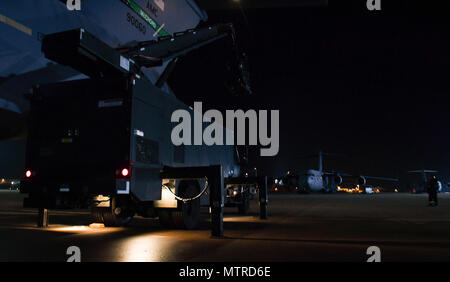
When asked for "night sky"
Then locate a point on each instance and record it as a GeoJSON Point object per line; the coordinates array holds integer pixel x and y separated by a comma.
{"type": "Point", "coordinates": [371, 87]}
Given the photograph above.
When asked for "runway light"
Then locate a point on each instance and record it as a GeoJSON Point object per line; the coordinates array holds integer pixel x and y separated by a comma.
{"type": "Point", "coordinates": [125, 172]}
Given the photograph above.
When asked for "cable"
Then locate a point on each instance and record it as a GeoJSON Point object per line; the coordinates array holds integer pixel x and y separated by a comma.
{"type": "Point", "coordinates": [185, 200]}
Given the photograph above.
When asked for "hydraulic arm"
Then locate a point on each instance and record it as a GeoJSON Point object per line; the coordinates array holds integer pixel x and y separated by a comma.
{"type": "Point", "coordinates": [89, 55]}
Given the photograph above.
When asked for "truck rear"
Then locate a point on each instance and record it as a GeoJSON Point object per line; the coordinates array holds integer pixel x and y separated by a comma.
{"type": "Point", "coordinates": [78, 142]}
{"type": "Point", "coordinates": [103, 142]}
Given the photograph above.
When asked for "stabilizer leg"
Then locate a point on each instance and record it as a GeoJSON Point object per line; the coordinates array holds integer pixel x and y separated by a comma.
{"type": "Point", "coordinates": [263, 197]}
{"type": "Point", "coordinates": [42, 218]}
{"type": "Point", "coordinates": [216, 188]}
{"type": "Point", "coordinates": [216, 200]}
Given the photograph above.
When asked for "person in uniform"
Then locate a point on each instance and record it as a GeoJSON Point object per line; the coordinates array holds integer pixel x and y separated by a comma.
{"type": "Point", "coordinates": [433, 187]}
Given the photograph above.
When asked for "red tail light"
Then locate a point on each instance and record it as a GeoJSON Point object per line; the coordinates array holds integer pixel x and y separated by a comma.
{"type": "Point", "coordinates": [125, 172]}
{"type": "Point", "coordinates": [28, 173]}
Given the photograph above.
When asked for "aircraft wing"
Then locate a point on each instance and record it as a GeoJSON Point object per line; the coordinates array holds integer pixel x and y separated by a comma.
{"type": "Point", "coordinates": [423, 171]}
{"type": "Point", "coordinates": [361, 177]}
{"type": "Point", "coordinates": [342, 174]}
{"type": "Point", "coordinates": [116, 22]}
{"type": "Point", "coordinates": [255, 4]}
{"type": "Point", "coordinates": [380, 178]}
{"type": "Point", "coordinates": [23, 24]}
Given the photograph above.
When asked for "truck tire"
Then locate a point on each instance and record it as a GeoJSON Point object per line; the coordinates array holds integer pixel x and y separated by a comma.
{"type": "Point", "coordinates": [187, 216]}
{"type": "Point", "coordinates": [109, 218]}
{"type": "Point", "coordinates": [244, 206]}
{"type": "Point", "coordinates": [113, 216]}
{"type": "Point", "coordinates": [96, 215]}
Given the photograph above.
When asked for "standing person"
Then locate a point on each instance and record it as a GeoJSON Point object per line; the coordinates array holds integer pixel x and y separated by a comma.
{"type": "Point", "coordinates": [433, 187]}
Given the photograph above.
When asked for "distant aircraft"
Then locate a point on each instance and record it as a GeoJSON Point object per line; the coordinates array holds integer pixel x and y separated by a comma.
{"type": "Point", "coordinates": [420, 186]}
{"type": "Point", "coordinates": [320, 181]}
{"type": "Point", "coordinates": [116, 22]}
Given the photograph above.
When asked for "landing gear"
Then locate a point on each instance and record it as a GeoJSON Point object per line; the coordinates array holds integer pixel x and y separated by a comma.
{"type": "Point", "coordinates": [116, 215]}
{"type": "Point", "coordinates": [186, 216]}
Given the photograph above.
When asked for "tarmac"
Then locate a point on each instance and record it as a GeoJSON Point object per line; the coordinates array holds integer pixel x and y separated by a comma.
{"type": "Point", "coordinates": [311, 228]}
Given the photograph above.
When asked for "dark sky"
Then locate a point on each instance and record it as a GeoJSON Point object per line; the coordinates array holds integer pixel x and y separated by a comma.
{"type": "Point", "coordinates": [372, 87]}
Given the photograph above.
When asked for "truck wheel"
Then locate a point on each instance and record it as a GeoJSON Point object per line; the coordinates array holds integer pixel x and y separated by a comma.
{"type": "Point", "coordinates": [244, 206]}
{"type": "Point", "coordinates": [96, 215]}
{"type": "Point", "coordinates": [187, 216]}
{"type": "Point", "coordinates": [110, 218]}
{"type": "Point", "coordinates": [114, 216]}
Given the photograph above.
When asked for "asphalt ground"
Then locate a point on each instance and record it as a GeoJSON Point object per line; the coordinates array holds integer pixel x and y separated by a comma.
{"type": "Point", "coordinates": [331, 228]}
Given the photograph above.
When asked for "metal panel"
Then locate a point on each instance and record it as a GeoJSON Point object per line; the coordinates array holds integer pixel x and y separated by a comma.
{"type": "Point", "coordinates": [146, 184]}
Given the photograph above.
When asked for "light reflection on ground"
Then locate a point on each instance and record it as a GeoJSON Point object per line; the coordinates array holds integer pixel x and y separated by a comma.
{"type": "Point", "coordinates": [144, 248]}
{"type": "Point", "coordinates": [240, 219]}
{"type": "Point", "coordinates": [81, 229]}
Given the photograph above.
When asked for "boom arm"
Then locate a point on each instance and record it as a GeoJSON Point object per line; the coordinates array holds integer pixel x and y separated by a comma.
{"type": "Point", "coordinates": [170, 47]}
{"type": "Point", "coordinates": [89, 55]}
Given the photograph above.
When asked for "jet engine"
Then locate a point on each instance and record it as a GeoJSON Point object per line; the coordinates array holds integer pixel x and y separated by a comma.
{"type": "Point", "coordinates": [338, 179]}
{"type": "Point", "coordinates": [362, 180]}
